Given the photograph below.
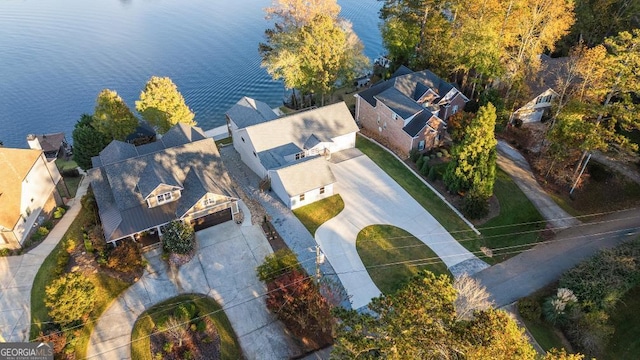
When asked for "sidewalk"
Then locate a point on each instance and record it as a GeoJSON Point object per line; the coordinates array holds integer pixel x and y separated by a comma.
{"type": "Point", "coordinates": [514, 164]}
{"type": "Point", "coordinates": [18, 272]}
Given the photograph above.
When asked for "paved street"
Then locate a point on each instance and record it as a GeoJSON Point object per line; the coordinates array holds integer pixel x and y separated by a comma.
{"type": "Point", "coordinates": [18, 272]}
{"type": "Point", "coordinates": [372, 197]}
{"type": "Point", "coordinates": [514, 164]}
{"type": "Point", "coordinates": [531, 270]}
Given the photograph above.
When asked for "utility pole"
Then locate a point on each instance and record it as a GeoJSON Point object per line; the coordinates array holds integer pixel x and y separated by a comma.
{"type": "Point", "coordinates": [580, 175]}
{"type": "Point", "coordinates": [319, 260]}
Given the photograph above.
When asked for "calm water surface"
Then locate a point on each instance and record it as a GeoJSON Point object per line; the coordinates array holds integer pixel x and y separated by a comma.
{"type": "Point", "coordinates": [56, 55]}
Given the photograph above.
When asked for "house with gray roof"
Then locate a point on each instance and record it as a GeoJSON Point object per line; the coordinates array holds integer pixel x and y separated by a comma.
{"type": "Point", "coordinates": [409, 110]}
{"type": "Point", "coordinates": [541, 85]}
{"type": "Point", "coordinates": [291, 151]}
{"type": "Point", "coordinates": [139, 189]}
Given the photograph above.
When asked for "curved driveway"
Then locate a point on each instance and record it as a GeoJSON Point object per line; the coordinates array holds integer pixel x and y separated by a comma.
{"type": "Point", "coordinates": [372, 197]}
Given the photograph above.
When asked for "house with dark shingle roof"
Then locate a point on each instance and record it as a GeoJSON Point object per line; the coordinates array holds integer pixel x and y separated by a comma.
{"type": "Point", "coordinates": [139, 189]}
{"type": "Point", "coordinates": [410, 109]}
{"type": "Point", "coordinates": [28, 194]}
{"type": "Point", "coordinates": [53, 145]}
{"type": "Point", "coordinates": [291, 151]}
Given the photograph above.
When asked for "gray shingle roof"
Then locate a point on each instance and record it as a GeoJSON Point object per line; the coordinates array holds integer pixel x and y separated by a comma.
{"type": "Point", "coordinates": [248, 111]}
{"type": "Point", "coordinates": [117, 151]}
{"type": "Point", "coordinates": [119, 186]}
{"type": "Point", "coordinates": [420, 121]}
{"type": "Point", "coordinates": [297, 180]}
{"type": "Point", "coordinates": [181, 134]}
{"type": "Point", "coordinates": [400, 104]}
{"type": "Point", "coordinates": [410, 84]}
{"type": "Point", "coordinates": [326, 122]}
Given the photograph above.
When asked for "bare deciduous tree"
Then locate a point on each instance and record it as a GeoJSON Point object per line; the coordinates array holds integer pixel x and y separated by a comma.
{"type": "Point", "coordinates": [471, 296]}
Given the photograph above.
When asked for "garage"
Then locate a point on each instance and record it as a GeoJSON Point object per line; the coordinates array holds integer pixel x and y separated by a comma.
{"type": "Point", "coordinates": [211, 219]}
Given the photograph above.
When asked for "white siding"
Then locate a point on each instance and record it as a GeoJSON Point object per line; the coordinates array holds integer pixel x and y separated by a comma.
{"type": "Point", "coordinates": [311, 197]}
{"type": "Point", "coordinates": [278, 188]}
{"type": "Point", "coordinates": [36, 190]}
{"type": "Point", "coordinates": [246, 150]}
{"type": "Point", "coordinates": [343, 142]}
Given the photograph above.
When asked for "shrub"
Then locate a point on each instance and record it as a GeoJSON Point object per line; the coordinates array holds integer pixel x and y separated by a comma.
{"type": "Point", "coordinates": [433, 174]}
{"type": "Point", "coordinates": [424, 170]}
{"type": "Point", "coordinates": [557, 307]}
{"type": "Point", "coordinates": [185, 311]}
{"type": "Point", "coordinates": [277, 264]}
{"type": "Point", "coordinates": [439, 154]}
{"type": "Point", "coordinates": [414, 155]}
{"type": "Point", "coordinates": [40, 234]}
{"type": "Point", "coordinates": [125, 257]}
{"type": "Point", "coordinates": [420, 162]}
{"type": "Point", "coordinates": [48, 224]}
{"type": "Point", "coordinates": [70, 172]}
{"type": "Point", "coordinates": [530, 309]}
{"type": "Point", "coordinates": [5, 252]}
{"type": "Point", "coordinates": [178, 237]}
{"type": "Point", "coordinates": [58, 339]}
{"type": "Point", "coordinates": [445, 152]}
{"type": "Point", "coordinates": [475, 206]}
{"type": "Point", "coordinates": [61, 262]}
{"type": "Point", "coordinates": [296, 301]}
{"type": "Point", "coordinates": [58, 213]}
{"type": "Point", "coordinates": [69, 298]}
{"type": "Point", "coordinates": [601, 281]}
{"type": "Point", "coordinates": [590, 332]}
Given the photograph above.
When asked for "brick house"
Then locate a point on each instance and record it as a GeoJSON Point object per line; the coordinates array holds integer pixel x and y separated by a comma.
{"type": "Point", "coordinates": [410, 109]}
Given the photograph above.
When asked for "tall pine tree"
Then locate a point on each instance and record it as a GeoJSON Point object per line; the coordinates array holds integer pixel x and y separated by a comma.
{"type": "Point", "coordinates": [87, 141]}
{"type": "Point", "coordinates": [473, 164]}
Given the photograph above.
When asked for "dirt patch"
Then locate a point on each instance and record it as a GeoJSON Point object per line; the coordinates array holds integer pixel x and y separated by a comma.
{"type": "Point", "coordinates": [86, 263]}
{"type": "Point", "coordinates": [196, 344]}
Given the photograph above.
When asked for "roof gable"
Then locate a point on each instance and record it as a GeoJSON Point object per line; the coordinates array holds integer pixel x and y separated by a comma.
{"type": "Point", "coordinates": [181, 134]}
{"type": "Point", "coordinates": [294, 130]}
{"type": "Point", "coordinates": [15, 165]}
{"type": "Point", "coordinates": [296, 180]}
{"type": "Point", "coordinates": [117, 151]}
{"type": "Point", "coordinates": [248, 111]}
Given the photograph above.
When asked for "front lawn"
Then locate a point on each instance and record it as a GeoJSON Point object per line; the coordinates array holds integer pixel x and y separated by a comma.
{"type": "Point", "coordinates": [317, 213]}
{"type": "Point", "coordinates": [107, 288]}
{"type": "Point", "coordinates": [517, 227]}
{"type": "Point", "coordinates": [62, 164]}
{"type": "Point", "coordinates": [142, 330]}
{"type": "Point", "coordinates": [392, 256]}
{"type": "Point", "coordinates": [422, 194]}
{"type": "Point", "coordinates": [625, 342]}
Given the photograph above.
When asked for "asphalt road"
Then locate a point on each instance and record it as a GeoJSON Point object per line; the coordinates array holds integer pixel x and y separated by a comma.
{"type": "Point", "coordinates": [531, 270]}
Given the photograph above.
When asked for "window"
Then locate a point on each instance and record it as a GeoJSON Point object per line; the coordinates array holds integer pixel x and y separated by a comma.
{"type": "Point", "coordinates": [300, 155]}
{"type": "Point", "coordinates": [421, 145]}
{"type": "Point", "coordinates": [395, 116]}
{"type": "Point", "coordinates": [209, 202]}
{"type": "Point", "coordinates": [322, 190]}
{"type": "Point", "coordinates": [454, 109]}
{"type": "Point", "coordinates": [254, 154]}
{"type": "Point", "coordinates": [302, 197]}
{"type": "Point", "coordinates": [163, 198]}
{"type": "Point", "coordinates": [297, 156]}
{"type": "Point", "coordinates": [378, 120]}
{"type": "Point", "coordinates": [242, 138]}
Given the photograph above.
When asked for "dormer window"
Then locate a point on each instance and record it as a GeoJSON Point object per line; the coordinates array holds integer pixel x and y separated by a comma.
{"type": "Point", "coordinates": [163, 198]}
{"type": "Point", "coordinates": [300, 155]}
{"type": "Point", "coordinates": [209, 202]}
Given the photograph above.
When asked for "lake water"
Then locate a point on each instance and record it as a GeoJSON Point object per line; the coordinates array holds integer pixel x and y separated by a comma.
{"type": "Point", "coordinates": [56, 56]}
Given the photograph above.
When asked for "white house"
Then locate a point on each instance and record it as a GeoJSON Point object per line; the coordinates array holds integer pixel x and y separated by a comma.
{"type": "Point", "coordinates": [541, 86]}
{"type": "Point", "coordinates": [290, 151]}
{"type": "Point", "coordinates": [28, 193]}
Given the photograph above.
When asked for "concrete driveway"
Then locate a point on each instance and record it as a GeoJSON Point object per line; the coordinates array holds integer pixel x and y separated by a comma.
{"type": "Point", "coordinates": [372, 197]}
{"type": "Point", "coordinates": [224, 268]}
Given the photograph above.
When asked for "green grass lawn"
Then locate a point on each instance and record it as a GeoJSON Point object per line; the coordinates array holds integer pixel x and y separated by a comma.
{"type": "Point", "coordinates": [317, 213]}
{"type": "Point", "coordinates": [65, 164]}
{"type": "Point", "coordinates": [107, 289]}
{"type": "Point", "coordinates": [625, 342]}
{"type": "Point", "coordinates": [508, 229]}
{"type": "Point", "coordinates": [544, 333]}
{"type": "Point", "coordinates": [225, 141]}
{"type": "Point", "coordinates": [422, 194]}
{"type": "Point", "coordinates": [385, 249]}
{"type": "Point", "coordinates": [140, 341]}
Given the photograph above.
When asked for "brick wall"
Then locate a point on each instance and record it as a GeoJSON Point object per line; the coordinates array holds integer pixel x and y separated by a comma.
{"type": "Point", "coordinates": [374, 120]}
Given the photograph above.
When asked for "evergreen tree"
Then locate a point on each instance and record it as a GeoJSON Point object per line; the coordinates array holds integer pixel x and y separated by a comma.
{"type": "Point", "coordinates": [473, 161]}
{"type": "Point", "coordinates": [87, 141]}
{"type": "Point", "coordinates": [112, 117]}
{"type": "Point", "coordinates": [162, 105]}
